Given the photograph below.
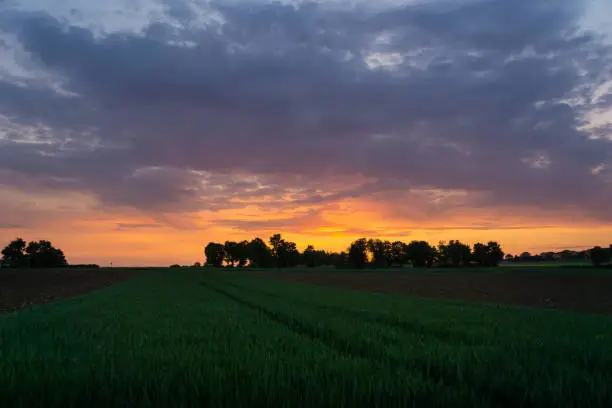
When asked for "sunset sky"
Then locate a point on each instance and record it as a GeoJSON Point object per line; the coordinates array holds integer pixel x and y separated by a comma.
{"type": "Point", "coordinates": [135, 131]}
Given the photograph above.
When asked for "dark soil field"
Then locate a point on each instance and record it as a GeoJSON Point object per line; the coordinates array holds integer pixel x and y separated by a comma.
{"type": "Point", "coordinates": [27, 287]}
{"type": "Point", "coordinates": [568, 291]}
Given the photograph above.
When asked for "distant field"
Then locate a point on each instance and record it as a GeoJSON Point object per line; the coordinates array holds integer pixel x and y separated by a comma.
{"type": "Point", "coordinates": [21, 288]}
{"type": "Point", "coordinates": [209, 338]}
{"type": "Point", "coordinates": [576, 289]}
{"type": "Point", "coordinates": [548, 264]}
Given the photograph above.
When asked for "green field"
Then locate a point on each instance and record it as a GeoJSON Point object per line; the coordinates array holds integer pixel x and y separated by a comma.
{"type": "Point", "coordinates": [205, 338]}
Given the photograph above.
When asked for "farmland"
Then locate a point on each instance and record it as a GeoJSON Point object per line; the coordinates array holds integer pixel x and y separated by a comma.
{"type": "Point", "coordinates": [209, 338]}
{"type": "Point", "coordinates": [23, 288]}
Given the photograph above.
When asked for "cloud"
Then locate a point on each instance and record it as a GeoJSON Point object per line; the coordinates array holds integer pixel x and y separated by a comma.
{"type": "Point", "coordinates": [264, 103]}
{"type": "Point", "coordinates": [313, 223]}
{"type": "Point", "coordinates": [133, 226]}
{"type": "Point", "coordinates": [12, 226]}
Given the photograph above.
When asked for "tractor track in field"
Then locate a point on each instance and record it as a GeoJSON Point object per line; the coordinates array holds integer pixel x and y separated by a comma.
{"type": "Point", "coordinates": [438, 375]}
{"type": "Point", "coordinates": [341, 346]}
{"type": "Point", "coordinates": [441, 335]}
{"type": "Point", "coordinates": [408, 327]}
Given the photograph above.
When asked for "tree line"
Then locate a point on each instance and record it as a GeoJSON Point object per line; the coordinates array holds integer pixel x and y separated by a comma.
{"type": "Point", "coordinates": [600, 256]}
{"type": "Point", "coordinates": [35, 254]}
{"type": "Point", "coordinates": [362, 253]}
{"type": "Point", "coordinates": [597, 255]}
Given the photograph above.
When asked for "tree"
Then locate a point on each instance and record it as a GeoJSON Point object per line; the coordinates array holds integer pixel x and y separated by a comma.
{"type": "Point", "coordinates": [357, 254]}
{"type": "Point", "coordinates": [242, 253]}
{"type": "Point", "coordinates": [488, 255]}
{"type": "Point", "coordinates": [310, 256]}
{"type": "Point", "coordinates": [197, 265]}
{"type": "Point", "coordinates": [288, 255]}
{"type": "Point", "coordinates": [599, 255]}
{"type": "Point", "coordinates": [481, 254]}
{"type": "Point", "coordinates": [275, 243]}
{"type": "Point", "coordinates": [323, 258]}
{"type": "Point", "coordinates": [398, 253]}
{"type": "Point", "coordinates": [259, 254]}
{"type": "Point", "coordinates": [380, 252]}
{"type": "Point", "coordinates": [496, 255]}
{"type": "Point", "coordinates": [13, 255]}
{"type": "Point", "coordinates": [454, 253]}
{"type": "Point", "coordinates": [420, 253]}
{"type": "Point", "coordinates": [458, 253]}
{"type": "Point", "coordinates": [42, 254]}
{"type": "Point", "coordinates": [285, 253]}
{"type": "Point", "coordinates": [215, 254]}
{"type": "Point", "coordinates": [231, 253]}
{"type": "Point", "coordinates": [339, 260]}
{"type": "Point", "coordinates": [37, 254]}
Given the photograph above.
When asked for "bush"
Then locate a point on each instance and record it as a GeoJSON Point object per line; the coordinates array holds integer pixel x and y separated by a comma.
{"type": "Point", "coordinates": [599, 255]}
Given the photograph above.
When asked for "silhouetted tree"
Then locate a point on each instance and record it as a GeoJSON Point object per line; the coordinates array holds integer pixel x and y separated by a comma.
{"type": "Point", "coordinates": [231, 253]}
{"type": "Point", "coordinates": [488, 255]}
{"type": "Point", "coordinates": [420, 253]}
{"type": "Point", "coordinates": [260, 256]}
{"type": "Point", "coordinates": [282, 254]}
{"type": "Point", "coordinates": [37, 254]}
{"type": "Point", "coordinates": [41, 254]}
{"type": "Point", "coordinates": [288, 255]}
{"type": "Point", "coordinates": [339, 260]}
{"type": "Point", "coordinates": [242, 253]}
{"type": "Point", "coordinates": [496, 255]}
{"type": "Point", "coordinates": [285, 253]}
{"type": "Point", "coordinates": [357, 254]}
{"type": "Point", "coordinates": [599, 255]}
{"type": "Point", "coordinates": [398, 253]}
{"type": "Point", "coordinates": [380, 252]}
{"type": "Point", "coordinates": [481, 254]}
{"type": "Point", "coordinates": [323, 258]}
{"type": "Point", "coordinates": [458, 253]}
{"type": "Point", "coordinates": [547, 256]}
{"type": "Point", "coordinates": [310, 257]}
{"type": "Point", "coordinates": [13, 255]}
{"type": "Point", "coordinates": [275, 243]}
{"type": "Point", "coordinates": [454, 253]}
{"type": "Point", "coordinates": [215, 254]}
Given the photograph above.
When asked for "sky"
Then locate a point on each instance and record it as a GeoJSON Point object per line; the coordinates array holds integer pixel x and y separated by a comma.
{"type": "Point", "coordinates": [136, 131]}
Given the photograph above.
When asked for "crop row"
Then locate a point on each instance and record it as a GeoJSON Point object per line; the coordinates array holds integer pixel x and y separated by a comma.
{"type": "Point", "coordinates": [503, 367]}
{"type": "Point", "coordinates": [164, 340]}
{"type": "Point", "coordinates": [207, 339]}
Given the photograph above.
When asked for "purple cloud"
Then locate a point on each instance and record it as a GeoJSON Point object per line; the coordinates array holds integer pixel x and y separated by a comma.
{"type": "Point", "coordinates": [484, 96]}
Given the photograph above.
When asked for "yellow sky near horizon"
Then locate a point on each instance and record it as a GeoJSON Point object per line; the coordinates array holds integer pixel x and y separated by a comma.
{"type": "Point", "coordinates": [165, 246]}
{"type": "Point", "coordinates": [90, 233]}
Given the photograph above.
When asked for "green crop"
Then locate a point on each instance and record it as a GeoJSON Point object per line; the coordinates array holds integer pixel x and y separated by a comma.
{"type": "Point", "coordinates": [206, 338]}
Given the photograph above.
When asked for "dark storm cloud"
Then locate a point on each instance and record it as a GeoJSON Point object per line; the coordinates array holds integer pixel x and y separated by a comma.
{"type": "Point", "coordinates": [481, 101]}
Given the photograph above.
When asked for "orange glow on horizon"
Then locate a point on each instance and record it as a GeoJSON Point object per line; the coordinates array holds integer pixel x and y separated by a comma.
{"type": "Point", "coordinates": [126, 237]}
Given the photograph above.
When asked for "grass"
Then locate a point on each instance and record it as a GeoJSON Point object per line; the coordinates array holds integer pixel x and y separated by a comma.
{"type": "Point", "coordinates": [205, 338]}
